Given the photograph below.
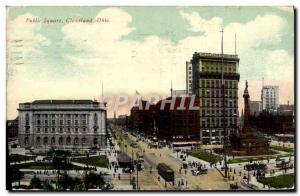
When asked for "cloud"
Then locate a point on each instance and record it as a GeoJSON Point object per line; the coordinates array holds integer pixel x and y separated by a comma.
{"type": "Point", "coordinates": [149, 65]}
{"type": "Point", "coordinates": [100, 53]}
{"type": "Point", "coordinates": [266, 29]}
{"type": "Point", "coordinates": [285, 8]}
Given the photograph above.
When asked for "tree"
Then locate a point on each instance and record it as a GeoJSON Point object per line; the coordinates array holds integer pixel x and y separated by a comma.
{"type": "Point", "coordinates": [92, 180]}
{"type": "Point", "coordinates": [48, 186]}
{"type": "Point", "coordinates": [35, 183]}
{"type": "Point", "coordinates": [16, 175]}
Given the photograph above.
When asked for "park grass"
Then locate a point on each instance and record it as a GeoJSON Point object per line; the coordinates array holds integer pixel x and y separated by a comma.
{"type": "Point", "coordinates": [47, 166]}
{"type": "Point", "coordinates": [19, 158]}
{"type": "Point", "coordinates": [243, 160]}
{"type": "Point", "coordinates": [98, 161]}
{"type": "Point", "coordinates": [282, 181]}
{"type": "Point", "coordinates": [205, 156]}
{"type": "Point", "coordinates": [284, 149]}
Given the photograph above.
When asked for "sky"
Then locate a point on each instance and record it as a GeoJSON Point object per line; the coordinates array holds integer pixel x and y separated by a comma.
{"type": "Point", "coordinates": [141, 49]}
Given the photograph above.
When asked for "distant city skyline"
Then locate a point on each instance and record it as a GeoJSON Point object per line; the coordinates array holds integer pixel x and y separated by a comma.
{"type": "Point", "coordinates": [70, 60]}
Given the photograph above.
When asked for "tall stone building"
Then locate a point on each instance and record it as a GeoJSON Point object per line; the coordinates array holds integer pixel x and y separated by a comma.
{"type": "Point", "coordinates": [207, 72]}
{"type": "Point", "coordinates": [270, 98]}
{"type": "Point", "coordinates": [62, 124]}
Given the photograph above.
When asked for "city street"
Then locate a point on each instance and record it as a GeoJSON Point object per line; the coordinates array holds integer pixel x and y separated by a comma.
{"type": "Point", "coordinates": [152, 156]}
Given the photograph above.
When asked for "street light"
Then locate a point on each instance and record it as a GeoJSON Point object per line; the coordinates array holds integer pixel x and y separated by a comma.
{"type": "Point", "coordinates": [137, 173]}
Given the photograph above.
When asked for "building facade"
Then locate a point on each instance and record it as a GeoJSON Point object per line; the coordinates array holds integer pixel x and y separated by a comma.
{"type": "Point", "coordinates": [142, 118]}
{"type": "Point", "coordinates": [189, 78]}
{"type": "Point", "coordinates": [12, 128]}
{"type": "Point", "coordinates": [270, 98]}
{"type": "Point", "coordinates": [177, 122]}
{"type": "Point", "coordinates": [215, 117]}
{"type": "Point", "coordinates": [62, 124]}
{"type": "Point", "coordinates": [255, 108]}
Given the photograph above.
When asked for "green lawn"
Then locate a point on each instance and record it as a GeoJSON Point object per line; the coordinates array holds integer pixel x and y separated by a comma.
{"type": "Point", "coordinates": [242, 160]}
{"type": "Point", "coordinates": [205, 156]}
{"type": "Point", "coordinates": [283, 181]}
{"type": "Point", "coordinates": [98, 161]}
{"type": "Point", "coordinates": [18, 158]}
{"type": "Point", "coordinates": [48, 166]}
{"type": "Point", "coordinates": [284, 149]}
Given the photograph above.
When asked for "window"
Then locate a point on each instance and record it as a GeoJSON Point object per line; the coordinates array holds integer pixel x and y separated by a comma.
{"type": "Point", "coordinates": [76, 141]}
{"type": "Point", "coordinates": [76, 130]}
{"type": "Point", "coordinates": [53, 141]}
{"type": "Point", "coordinates": [95, 141]}
{"type": "Point", "coordinates": [45, 140]}
{"type": "Point", "coordinates": [46, 130]}
{"type": "Point", "coordinates": [38, 130]}
{"type": "Point", "coordinates": [83, 141]}
{"type": "Point", "coordinates": [27, 119]}
{"type": "Point", "coordinates": [68, 141]}
{"type": "Point", "coordinates": [38, 141]}
{"type": "Point", "coordinates": [46, 122]}
{"type": "Point", "coordinates": [53, 122]}
{"type": "Point", "coordinates": [61, 122]}
{"type": "Point", "coordinates": [26, 141]}
{"type": "Point", "coordinates": [60, 130]}
{"type": "Point", "coordinates": [39, 122]}
{"type": "Point", "coordinates": [60, 141]}
{"type": "Point", "coordinates": [53, 130]}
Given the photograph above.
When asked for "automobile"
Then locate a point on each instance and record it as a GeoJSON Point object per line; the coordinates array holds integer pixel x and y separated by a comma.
{"type": "Point", "coordinates": [92, 152]}
{"type": "Point", "coordinates": [133, 145]}
{"type": "Point", "coordinates": [141, 158]}
{"type": "Point", "coordinates": [195, 172]}
{"type": "Point", "coordinates": [14, 146]}
{"type": "Point", "coordinates": [233, 186]}
{"type": "Point", "coordinates": [184, 165]}
{"type": "Point", "coordinates": [126, 170]}
{"type": "Point", "coordinates": [153, 145]}
{"type": "Point", "coordinates": [202, 171]}
{"type": "Point", "coordinates": [140, 166]}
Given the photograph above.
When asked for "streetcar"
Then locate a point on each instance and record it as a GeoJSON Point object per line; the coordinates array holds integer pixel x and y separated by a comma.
{"type": "Point", "coordinates": [165, 172]}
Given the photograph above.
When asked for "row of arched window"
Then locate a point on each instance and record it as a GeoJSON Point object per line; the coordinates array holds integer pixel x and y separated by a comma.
{"type": "Point", "coordinates": [52, 141]}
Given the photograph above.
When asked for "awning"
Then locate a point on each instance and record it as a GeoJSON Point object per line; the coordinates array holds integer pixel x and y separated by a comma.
{"type": "Point", "coordinates": [185, 143]}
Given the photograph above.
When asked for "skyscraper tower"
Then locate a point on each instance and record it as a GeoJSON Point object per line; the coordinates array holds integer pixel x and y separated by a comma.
{"type": "Point", "coordinates": [210, 71]}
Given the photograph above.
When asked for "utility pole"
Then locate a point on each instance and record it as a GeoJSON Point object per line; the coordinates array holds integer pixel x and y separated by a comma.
{"type": "Point", "coordinates": [223, 109]}
{"type": "Point", "coordinates": [137, 172]}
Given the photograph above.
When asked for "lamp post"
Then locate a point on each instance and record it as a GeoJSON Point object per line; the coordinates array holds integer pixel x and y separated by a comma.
{"type": "Point", "coordinates": [137, 173]}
